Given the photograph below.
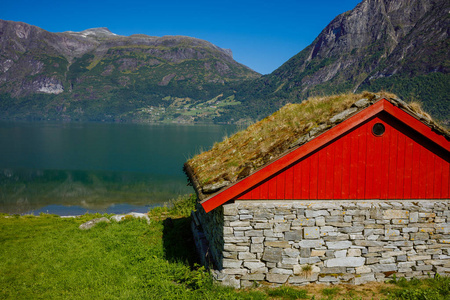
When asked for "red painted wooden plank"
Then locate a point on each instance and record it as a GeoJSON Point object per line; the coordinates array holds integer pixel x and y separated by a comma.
{"type": "Point", "coordinates": [415, 175]}
{"type": "Point", "coordinates": [408, 168]}
{"type": "Point", "coordinates": [439, 162]}
{"type": "Point", "coordinates": [264, 193]}
{"type": "Point", "coordinates": [370, 160]}
{"type": "Point", "coordinates": [385, 155]}
{"type": "Point", "coordinates": [346, 157]}
{"type": "Point", "coordinates": [392, 164]}
{"type": "Point", "coordinates": [422, 171]}
{"type": "Point", "coordinates": [362, 151]}
{"type": "Point", "coordinates": [330, 171]}
{"type": "Point", "coordinates": [445, 191]}
{"type": "Point", "coordinates": [377, 164]}
{"type": "Point", "coordinates": [400, 166]}
{"type": "Point", "coordinates": [298, 180]}
{"type": "Point", "coordinates": [273, 188]}
{"type": "Point", "coordinates": [430, 174]}
{"type": "Point", "coordinates": [289, 183]}
{"type": "Point", "coordinates": [305, 172]}
{"type": "Point", "coordinates": [338, 168]}
{"type": "Point", "coordinates": [314, 171]}
{"type": "Point", "coordinates": [353, 164]}
{"type": "Point", "coordinates": [321, 176]}
{"type": "Point", "coordinates": [256, 193]}
{"type": "Point", "coordinates": [281, 185]}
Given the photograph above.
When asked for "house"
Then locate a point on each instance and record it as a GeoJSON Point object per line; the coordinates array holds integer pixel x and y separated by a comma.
{"type": "Point", "coordinates": [350, 188]}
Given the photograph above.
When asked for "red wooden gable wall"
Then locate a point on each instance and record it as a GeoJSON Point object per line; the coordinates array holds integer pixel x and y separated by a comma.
{"type": "Point", "coordinates": [400, 164]}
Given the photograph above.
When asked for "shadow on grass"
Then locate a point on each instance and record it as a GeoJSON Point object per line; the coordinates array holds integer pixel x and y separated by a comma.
{"type": "Point", "coordinates": [178, 241]}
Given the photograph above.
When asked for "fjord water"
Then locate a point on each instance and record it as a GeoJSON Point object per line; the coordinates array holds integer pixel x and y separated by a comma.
{"type": "Point", "coordinates": [74, 168]}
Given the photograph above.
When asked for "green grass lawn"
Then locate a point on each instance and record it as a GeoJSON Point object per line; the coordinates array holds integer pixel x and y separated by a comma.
{"type": "Point", "coordinates": [47, 257]}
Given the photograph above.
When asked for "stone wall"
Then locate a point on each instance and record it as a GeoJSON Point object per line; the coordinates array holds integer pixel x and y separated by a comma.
{"type": "Point", "coordinates": [299, 242]}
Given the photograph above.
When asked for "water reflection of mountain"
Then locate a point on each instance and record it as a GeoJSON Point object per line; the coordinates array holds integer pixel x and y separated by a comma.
{"type": "Point", "coordinates": [27, 190]}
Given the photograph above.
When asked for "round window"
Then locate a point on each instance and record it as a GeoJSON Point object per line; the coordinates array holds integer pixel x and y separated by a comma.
{"type": "Point", "coordinates": [378, 129]}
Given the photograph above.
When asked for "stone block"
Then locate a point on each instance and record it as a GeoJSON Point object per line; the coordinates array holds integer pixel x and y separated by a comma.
{"type": "Point", "coordinates": [256, 248]}
{"type": "Point", "coordinates": [400, 221]}
{"type": "Point", "coordinates": [311, 233]}
{"type": "Point", "coordinates": [311, 243]}
{"type": "Point", "coordinates": [277, 244]}
{"type": "Point", "coordinates": [262, 226]}
{"type": "Point", "coordinates": [257, 239]}
{"type": "Point", "coordinates": [234, 271]}
{"type": "Point", "coordinates": [423, 268]}
{"type": "Point", "coordinates": [232, 281]}
{"type": "Point", "coordinates": [363, 270]}
{"type": "Point", "coordinates": [443, 228]}
{"type": "Point", "coordinates": [254, 277]}
{"type": "Point", "coordinates": [317, 252]}
{"type": "Point", "coordinates": [340, 253]}
{"type": "Point", "coordinates": [289, 260]}
{"type": "Point", "coordinates": [418, 257]}
{"type": "Point", "coordinates": [328, 279]}
{"type": "Point", "coordinates": [281, 271]}
{"type": "Point", "coordinates": [389, 260]}
{"type": "Point", "coordinates": [316, 213]}
{"type": "Point", "coordinates": [303, 222]}
{"type": "Point", "coordinates": [356, 237]}
{"type": "Point", "coordinates": [291, 252]}
{"type": "Point", "coordinates": [410, 229]}
{"type": "Point", "coordinates": [246, 256]}
{"type": "Point", "coordinates": [345, 262]}
{"type": "Point", "coordinates": [380, 268]}
{"type": "Point", "coordinates": [354, 252]}
{"type": "Point", "coordinates": [310, 260]}
{"type": "Point", "coordinates": [333, 270]}
{"type": "Point", "coordinates": [419, 236]}
{"type": "Point", "coordinates": [364, 278]}
{"type": "Point", "coordinates": [234, 248]}
{"type": "Point", "coordinates": [305, 252]}
{"type": "Point", "coordinates": [352, 229]}
{"type": "Point", "coordinates": [276, 278]}
{"type": "Point", "coordinates": [251, 233]}
{"type": "Point", "coordinates": [395, 214]}
{"type": "Point", "coordinates": [320, 221]}
{"type": "Point", "coordinates": [294, 235]}
{"type": "Point", "coordinates": [282, 227]}
{"type": "Point", "coordinates": [339, 224]}
{"type": "Point", "coordinates": [230, 209]}
{"type": "Point", "coordinates": [227, 231]}
{"type": "Point", "coordinates": [240, 224]}
{"type": "Point", "coordinates": [272, 255]}
{"type": "Point", "coordinates": [231, 263]}
{"type": "Point", "coordinates": [255, 267]}
{"type": "Point", "coordinates": [339, 245]}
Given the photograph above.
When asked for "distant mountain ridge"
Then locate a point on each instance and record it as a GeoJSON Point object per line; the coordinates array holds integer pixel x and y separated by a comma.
{"type": "Point", "coordinates": [98, 75]}
{"type": "Point", "coordinates": [397, 45]}
{"type": "Point", "coordinates": [400, 46]}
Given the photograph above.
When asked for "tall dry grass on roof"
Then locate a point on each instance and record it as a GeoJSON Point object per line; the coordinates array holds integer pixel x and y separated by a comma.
{"type": "Point", "coordinates": [254, 147]}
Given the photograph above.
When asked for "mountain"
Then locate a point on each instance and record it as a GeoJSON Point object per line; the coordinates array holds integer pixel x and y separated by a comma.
{"type": "Point", "coordinates": [98, 75]}
{"type": "Point", "coordinates": [401, 46]}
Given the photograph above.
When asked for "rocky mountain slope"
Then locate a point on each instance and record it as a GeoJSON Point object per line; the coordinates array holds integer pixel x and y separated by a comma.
{"type": "Point", "coordinates": [400, 46]}
{"type": "Point", "coordinates": [98, 75]}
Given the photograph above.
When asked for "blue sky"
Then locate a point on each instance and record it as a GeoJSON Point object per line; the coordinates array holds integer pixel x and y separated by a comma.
{"type": "Point", "coordinates": [262, 34]}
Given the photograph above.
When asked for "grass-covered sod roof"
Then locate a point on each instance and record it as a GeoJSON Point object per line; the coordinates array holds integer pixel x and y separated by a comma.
{"type": "Point", "coordinates": [240, 155]}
